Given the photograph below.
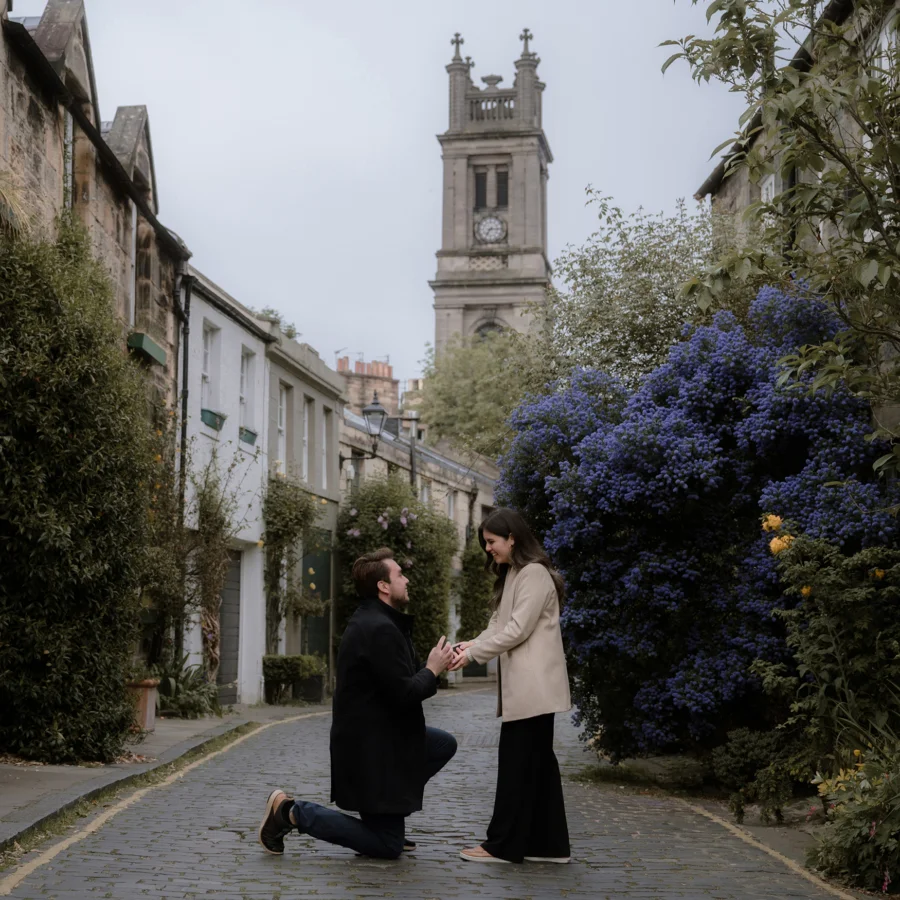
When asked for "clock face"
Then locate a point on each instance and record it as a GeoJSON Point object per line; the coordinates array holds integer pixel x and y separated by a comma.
{"type": "Point", "coordinates": [490, 229]}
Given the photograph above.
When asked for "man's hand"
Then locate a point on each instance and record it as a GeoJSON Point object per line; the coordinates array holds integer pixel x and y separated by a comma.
{"type": "Point", "coordinates": [440, 658]}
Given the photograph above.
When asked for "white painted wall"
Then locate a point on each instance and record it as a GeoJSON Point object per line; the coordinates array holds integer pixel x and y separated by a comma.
{"type": "Point", "coordinates": [248, 478]}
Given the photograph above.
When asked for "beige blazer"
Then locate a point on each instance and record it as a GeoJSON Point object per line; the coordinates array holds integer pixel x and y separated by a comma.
{"type": "Point", "coordinates": [524, 633]}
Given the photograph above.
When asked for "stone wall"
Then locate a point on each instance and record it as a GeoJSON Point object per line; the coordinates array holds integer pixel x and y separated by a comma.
{"type": "Point", "coordinates": [55, 164]}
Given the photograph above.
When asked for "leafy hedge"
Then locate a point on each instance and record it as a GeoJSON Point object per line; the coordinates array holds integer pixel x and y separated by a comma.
{"type": "Point", "coordinates": [476, 592]}
{"type": "Point", "coordinates": [75, 471]}
{"type": "Point", "coordinates": [654, 518]}
{"type": "Point", "coordinates": [384, 512]}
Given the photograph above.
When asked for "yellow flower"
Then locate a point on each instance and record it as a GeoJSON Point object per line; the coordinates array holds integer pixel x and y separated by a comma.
{"type": "Point", "coordinates": [311, 571]}
{"type": "Point", "coordinates": [777, 544]}
{"type": "Point", "coordinates": [260, 543]}
{"type": "Point", "coordinates": [312, 587]}
{"type": "Point", "coordinates": [857, 752]}
{"type": "Point", "coordinates": [323, 501]}
{"type": "Point", "coordinates": [806, 590]}
{"type": "Point", "coordinates": [159, 457]}
{"type": "Point", "coordinates": [158, 433]}
{"type": "Point", "coordinates": [772, 523]}
{"type": "Point", "coordinates": [879, 574]}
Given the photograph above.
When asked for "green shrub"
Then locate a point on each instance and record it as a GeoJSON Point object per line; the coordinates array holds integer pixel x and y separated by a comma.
{"type": "Point", "coordinates": [756, 766]}
{"type": "Point", "coordinates": [185, 691]}
{"type": "Point", "coordinates": [843, 629]}
{"type": "Point", "coordinates": [384, 512]}
{"type": "Point", "coordinates": [75, 471]}
{"type": "Point", "coordinates": [280, 672]}
{"type": "Point", "coordinates": [476, 592]}
{"type": "Point", "coordinates": [289, 513]}
{"type": "Point", "coordinates": [861, 841]}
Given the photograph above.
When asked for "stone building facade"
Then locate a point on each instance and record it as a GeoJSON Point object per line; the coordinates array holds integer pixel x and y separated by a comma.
{"type": "Point", "coordinates": [60, 155]}
{"type": "Point", "coordinates": [365, 379]}
{"type": "Point", "coordinates": [305, 402]}
{"type": "Point", "coordinates": [493, 263]}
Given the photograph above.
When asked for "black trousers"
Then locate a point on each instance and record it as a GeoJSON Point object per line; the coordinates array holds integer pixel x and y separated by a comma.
{"type": "Point", "coordinates": [529, 811]}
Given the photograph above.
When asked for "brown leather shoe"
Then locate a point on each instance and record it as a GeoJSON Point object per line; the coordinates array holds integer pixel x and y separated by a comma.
{"type": "Point", "coordinates": [272, 829]}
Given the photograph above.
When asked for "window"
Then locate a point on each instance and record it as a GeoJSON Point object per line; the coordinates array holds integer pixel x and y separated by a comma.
{"type": "Point", "coordinates": [307, 424]}
{"type": "Point", "coordinates": [326, 428]}
{"type": "Point", "coordinates": [132, 285]}
{"type": "Point", "coordinates": [480, 190]}
{"type": "Point", "coordinates": [451, 505]}
{"type": "Point", "coordinates": [502, 188]}
{"type": "Point", "coordinates": [208, 367]}
{"type": "Point", "coordinates": [69, 162]}
{"type": "Point", "coordinates": [281, 461]}
{"type": "Point", "coordinates": [246, 389]}
{"type": "Point", "coordinates": [425, 491]}
{"type": "Point", "coordinates": [767, 189]}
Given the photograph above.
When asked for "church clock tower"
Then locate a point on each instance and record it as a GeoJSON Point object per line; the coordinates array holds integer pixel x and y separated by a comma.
{"type": "Point", "coordinates": [493, 259]}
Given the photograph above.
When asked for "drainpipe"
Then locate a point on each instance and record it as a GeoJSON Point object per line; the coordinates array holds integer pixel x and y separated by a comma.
{"type": "Point", "coordinates": [185, 282]}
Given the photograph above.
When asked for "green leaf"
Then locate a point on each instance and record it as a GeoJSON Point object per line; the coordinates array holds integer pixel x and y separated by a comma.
{"type": "Point", "coordinates": [867, 272]}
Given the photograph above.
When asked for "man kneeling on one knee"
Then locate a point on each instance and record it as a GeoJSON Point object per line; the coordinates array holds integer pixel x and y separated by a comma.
{"type": "Point", "coordinates": [382, 753]}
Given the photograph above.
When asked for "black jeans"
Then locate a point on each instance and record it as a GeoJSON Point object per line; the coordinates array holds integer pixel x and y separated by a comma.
{"type": "Point", "coordinates": [529, 812]}
{"type": "Point", "coordinates": [371, 835]}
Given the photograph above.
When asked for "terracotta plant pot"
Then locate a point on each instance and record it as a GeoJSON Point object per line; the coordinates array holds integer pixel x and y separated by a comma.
{"type": "Point", "coordinates": [144, 693]}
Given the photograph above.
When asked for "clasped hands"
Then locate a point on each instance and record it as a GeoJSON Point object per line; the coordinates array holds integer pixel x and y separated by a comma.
{"type": "Point", "coordinates": [447, 657]}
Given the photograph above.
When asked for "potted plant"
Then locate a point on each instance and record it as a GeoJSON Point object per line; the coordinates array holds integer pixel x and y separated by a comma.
{"type": "Point", "coordinates": [309, 683]}
{"type": "Point", "coordinates": [142, 685]}
{"type": "Point", "coordinates": [303, 674]}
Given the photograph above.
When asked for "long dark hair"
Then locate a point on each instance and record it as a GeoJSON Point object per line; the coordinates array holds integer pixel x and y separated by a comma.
{"type": "Point", "coordinates": [526, 549]}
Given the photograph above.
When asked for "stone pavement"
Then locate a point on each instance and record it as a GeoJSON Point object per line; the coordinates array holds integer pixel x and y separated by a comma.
{"type": "Point", "coordinates": [197, 836]}
{"type": "Point", "coordinates": [32, 794]}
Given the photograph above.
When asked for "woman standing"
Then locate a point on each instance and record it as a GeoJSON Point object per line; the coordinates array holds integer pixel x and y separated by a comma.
{"type": "Point", "coordinates": [529, 820]}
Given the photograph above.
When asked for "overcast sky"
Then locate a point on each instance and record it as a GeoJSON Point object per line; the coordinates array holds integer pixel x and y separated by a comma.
{"type": "Point", "coordinates": [295, 148]}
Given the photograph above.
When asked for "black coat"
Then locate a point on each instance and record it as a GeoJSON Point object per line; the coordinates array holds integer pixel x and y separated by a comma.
{"type": "Point", "coordinates": [378, 728]}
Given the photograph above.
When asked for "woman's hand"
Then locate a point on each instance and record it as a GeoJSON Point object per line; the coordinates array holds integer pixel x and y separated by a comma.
{"type": "Point", "coordinates": [459, 659]}
{"type": "Point", "coordinates": [463, 644]}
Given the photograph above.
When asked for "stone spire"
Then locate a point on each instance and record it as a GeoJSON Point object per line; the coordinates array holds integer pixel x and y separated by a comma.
{"type": "Point", "coordinates": [458, 70]}
{"type": "Point", "coordinates": [529, 88]}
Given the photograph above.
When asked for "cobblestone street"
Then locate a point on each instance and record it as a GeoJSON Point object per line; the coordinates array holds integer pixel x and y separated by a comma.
{"type": "Point", "coordinates": [197, 836]}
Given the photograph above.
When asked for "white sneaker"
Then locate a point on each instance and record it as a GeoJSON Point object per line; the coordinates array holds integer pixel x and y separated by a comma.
{"type": "Point", "coordinates": [550, 859]}
{"type": "Point", "coordinates": [480, 857]}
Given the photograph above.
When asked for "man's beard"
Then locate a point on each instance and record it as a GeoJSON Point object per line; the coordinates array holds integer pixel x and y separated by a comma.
{"type": "Point", "coordinates": [400, 602]}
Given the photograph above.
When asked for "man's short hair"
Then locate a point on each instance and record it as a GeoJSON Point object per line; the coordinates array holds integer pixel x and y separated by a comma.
{"type": "Point", "coordinates": [368, 570]}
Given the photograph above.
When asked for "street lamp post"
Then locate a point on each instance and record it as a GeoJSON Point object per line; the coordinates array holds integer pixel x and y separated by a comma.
{"type": "Point", "coordinates": [375, 415]}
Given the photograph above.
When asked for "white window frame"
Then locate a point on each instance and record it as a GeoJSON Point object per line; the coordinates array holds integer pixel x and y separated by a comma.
{"type": "Point", "coordinates": [245, 419]}
{"type": "Point", "coordinates": [305, 458]}
{"type": "Point", "coordinates": [281, 461]}
{"type": "Point", "coordinates": [326, 423]}
{"type": "Point", "coordinates": [207, 361]}
{"type": "Point", "coordinates": [425, 491]}
{"type": "Point", "coordinates": [767, 188]}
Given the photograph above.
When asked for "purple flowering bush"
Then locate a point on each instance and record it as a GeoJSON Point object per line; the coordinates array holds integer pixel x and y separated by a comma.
{"type": "Point", "coordinates": [384, 512]}
{"type": "Point", "coordinates": [650, 505]}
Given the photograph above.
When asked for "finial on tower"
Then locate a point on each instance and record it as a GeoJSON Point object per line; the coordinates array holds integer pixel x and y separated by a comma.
{"type": "Point", "coordinates": [526, 36]}
{"type": "Point", "coordinates": [457, 41]}
{"type": "Point", "coordinates": [471, 62]}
